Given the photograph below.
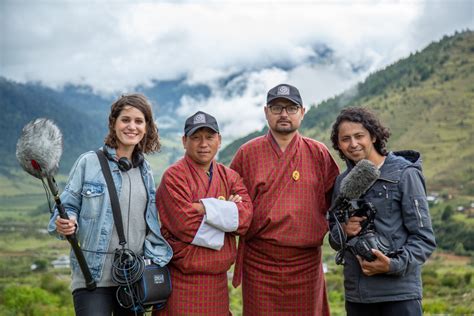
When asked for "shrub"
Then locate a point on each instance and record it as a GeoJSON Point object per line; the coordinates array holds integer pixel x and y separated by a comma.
{"type": "Point", "coordinates": [429, 277]}
{"type": "Point", "coordinates": [467, 277]}
{"type": "Point", "coordinates": [451, 280]}
{"type": "Point", "coordinates": [447, 213]}
{"type": "Point", "coordinates": [25, 300]}
{"type": "Point", "coordinates": [436, 307]}
{"type": "Point", "coordinates": [52, 284]}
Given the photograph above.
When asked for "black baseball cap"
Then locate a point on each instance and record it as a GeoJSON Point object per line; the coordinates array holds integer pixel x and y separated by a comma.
{"type": "Point", "coordinates": [285, 91]}
{"type": "Point", "coordinates": [199, 120]}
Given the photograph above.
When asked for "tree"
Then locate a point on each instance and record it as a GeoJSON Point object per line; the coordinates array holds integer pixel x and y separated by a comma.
{"type": "Point", "coordinates": [447, 213]}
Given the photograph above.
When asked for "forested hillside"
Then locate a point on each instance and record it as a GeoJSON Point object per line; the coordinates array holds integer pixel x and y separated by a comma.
{"type": "Point", "coordinates": [427, 101]}
{"type": "Point", "coordinates": [81, 114]}
{"type": "Point", "coordinates": [21, 103]}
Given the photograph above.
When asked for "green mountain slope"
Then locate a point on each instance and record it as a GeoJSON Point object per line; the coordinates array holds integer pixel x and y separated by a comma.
{"type": "Point", "coordinates": [82, 118]}
{"type": "Point", "coordinates": [22, 103]}
{"type": "Point", "coordinates": [427, 101]}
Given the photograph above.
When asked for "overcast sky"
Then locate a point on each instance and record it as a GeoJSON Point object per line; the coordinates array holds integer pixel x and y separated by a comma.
{"type": "Point", "coordinates": [322, 47]}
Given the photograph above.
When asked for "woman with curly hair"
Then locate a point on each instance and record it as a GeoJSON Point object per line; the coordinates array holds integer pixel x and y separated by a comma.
{"type": "Point", "coordinates": [132, 133]}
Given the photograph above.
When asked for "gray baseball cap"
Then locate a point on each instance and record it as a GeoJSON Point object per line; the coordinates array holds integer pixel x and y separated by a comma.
{"type": "Point", "coordinates": [285, 91]}
{"type": "Point", "coordinates": [199, 120]}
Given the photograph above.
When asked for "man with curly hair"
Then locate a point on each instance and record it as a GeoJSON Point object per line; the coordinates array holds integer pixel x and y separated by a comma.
{"type": "Point", "coordinates": [388, 285]}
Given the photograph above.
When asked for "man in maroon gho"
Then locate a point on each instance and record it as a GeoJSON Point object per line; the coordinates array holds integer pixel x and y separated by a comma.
{"type": "Point", "coordinates": [289, 179]}
{"type": "Point", "coordinates": [202, 205]}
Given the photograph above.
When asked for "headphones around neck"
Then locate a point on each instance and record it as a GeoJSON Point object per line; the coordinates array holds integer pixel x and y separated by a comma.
{"type": "Point", "coordinates": [123, 163]}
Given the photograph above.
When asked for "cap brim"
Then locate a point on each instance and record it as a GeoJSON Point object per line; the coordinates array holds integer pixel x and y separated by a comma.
{"type": "Point", "coordinates": [283, 97]}
{"type": "Point", "coordinates": [195, 128]}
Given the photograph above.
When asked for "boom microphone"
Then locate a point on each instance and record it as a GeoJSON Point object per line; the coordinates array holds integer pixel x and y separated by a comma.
{"type": "Point", "coordinates": [356, 183]}
{"type": "Point", "coordinates": [359, 179]}
{"type": "Point", "coordinates": [38, 151]}
{"type": "Point", "coordinates": [39, 148]}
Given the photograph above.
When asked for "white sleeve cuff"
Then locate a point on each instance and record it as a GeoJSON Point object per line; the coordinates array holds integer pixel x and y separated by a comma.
{"type": "Point", "coordinates": [223, 215]}
{"type": "Point", "coordinates": [208, 236]}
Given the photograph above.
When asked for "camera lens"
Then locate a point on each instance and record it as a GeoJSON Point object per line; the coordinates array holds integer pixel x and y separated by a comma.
{"type": "Point", "coordinates": [363, 245]}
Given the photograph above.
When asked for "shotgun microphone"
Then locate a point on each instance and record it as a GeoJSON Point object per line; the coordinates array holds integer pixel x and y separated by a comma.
{"type": "Point", "coordinates": [359, 179]}
{"type": "Point", "coordinates": [353, 186]}
{"type": "Point", "coordinates": [356, 183]}
{"type": "Point", "coordinates": [38, 151]}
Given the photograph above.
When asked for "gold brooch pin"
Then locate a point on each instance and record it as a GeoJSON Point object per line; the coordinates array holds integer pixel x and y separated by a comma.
{"type": "Point", "coordinates": [296, 175]}
{"type": "Point", "coordinates": [221, 198]}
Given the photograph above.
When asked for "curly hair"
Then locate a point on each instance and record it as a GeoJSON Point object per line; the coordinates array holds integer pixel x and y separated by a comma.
{"type": "Point", "coordinates": [370, 122]}
{"type": "Point", "coordinates": [151, 141]}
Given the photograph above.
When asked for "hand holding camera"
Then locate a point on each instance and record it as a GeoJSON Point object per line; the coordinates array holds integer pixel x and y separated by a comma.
{"type": "Point", "coordinates": [353, 225]}
{"type": "Point", "coordinates": [381, 264]}
{"type": "Point", "coordinates": [358, 223]}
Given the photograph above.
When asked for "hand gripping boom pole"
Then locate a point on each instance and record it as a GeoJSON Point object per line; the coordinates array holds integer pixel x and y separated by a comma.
{"type": "Point", "coordinates": [72, 239]}
{"type": "Point", "coordinates": [38, 151]}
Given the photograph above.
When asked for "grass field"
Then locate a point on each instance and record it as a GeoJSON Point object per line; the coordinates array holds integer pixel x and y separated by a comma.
{"type": "Point", "coordinates": [448, 284]}
{"type": "Point", "coordinates": [448, 281]}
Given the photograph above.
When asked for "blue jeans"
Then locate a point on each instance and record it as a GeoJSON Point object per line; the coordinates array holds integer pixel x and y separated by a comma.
{"type": "Point", "coordinates": [100, 302]}
{"type": "Point", "coordinates": [395, 308]}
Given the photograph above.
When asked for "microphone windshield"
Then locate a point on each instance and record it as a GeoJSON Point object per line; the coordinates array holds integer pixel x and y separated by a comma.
{"type": "Point", "coordinates": [39, 148]}
{"type": "Point", "coordinates": [359, 179]}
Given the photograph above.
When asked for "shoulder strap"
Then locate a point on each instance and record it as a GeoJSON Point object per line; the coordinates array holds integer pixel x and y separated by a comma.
{"type": "Point", "coordinates": [114, 201]}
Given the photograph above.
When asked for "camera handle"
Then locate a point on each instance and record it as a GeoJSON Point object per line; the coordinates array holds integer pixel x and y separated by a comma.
{"type": "Point", "coordinates": [341, 237]}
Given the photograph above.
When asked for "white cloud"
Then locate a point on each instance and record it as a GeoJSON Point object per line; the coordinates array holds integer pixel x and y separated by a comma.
{"type": "Point", "coordinates": [238, 107]}
{"type": "Point", "coordinates": [117, 45]}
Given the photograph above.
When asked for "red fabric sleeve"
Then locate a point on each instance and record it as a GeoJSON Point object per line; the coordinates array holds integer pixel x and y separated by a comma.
{"type": "Point", "coordinates": [174, 203]}
{"type": "Point", "coordinates": [236, 163]}
{"type": "Point", "coordinates": [245, 206]}
{"type": "Point", "coordinates": [331, 171]}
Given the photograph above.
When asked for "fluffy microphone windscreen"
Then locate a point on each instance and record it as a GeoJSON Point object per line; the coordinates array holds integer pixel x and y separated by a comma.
{"type": "Point", "coordinates": [39, 148]}
{"type": "Point", "coordinates": [359, 179]}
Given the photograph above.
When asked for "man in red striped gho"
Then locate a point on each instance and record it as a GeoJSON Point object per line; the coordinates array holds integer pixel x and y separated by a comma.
{"type": "Point", "coordinates": [289, 179]}
{"type": "Point", "coordinates": [202, 206]}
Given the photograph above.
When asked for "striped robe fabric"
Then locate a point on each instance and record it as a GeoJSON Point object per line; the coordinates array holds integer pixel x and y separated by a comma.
{"type": "Point", "coordinates": [198, 274]}
{"type": "Point", "coordinates": [279, 260]}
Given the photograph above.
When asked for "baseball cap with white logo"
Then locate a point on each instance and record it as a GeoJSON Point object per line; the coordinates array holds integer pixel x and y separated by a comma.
{"type": "Point", "coordinates": [285, 91]}
{"type": "Point", "coordinates": [199, 120]}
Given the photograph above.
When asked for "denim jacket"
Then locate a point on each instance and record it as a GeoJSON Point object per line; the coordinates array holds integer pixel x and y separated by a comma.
{"type": "Point", "coordinates": [403, 218]}
{"type": "Point", "coordinates": [86, 197]}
